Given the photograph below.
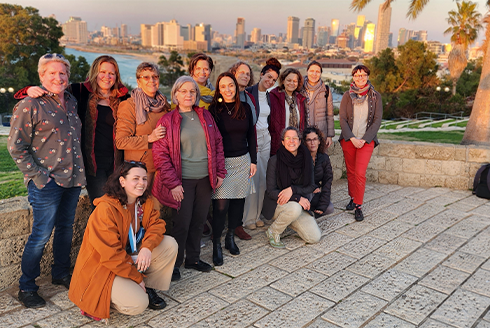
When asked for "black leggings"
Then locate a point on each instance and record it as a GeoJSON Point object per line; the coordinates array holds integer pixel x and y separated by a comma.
{"type": "Point", "coordinates": [234, 209]}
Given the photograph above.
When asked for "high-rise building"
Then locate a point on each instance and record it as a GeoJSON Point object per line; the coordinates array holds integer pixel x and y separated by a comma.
{"type": "Point", "coordinates": [308, 33]}
{"type": "Point", "coordinates": [402, 36]}
{"type": "Point", "coordinates": [124, 31]}
{"type": "Point", "coordinates": [185, 32]}
{"type": "Point", "coordinates": [171, 35]}
{"type": "Point", "coordinates": [256, 36]}
{"type": "Point", "coordinates": [335, 31]}
{"type": "Point", "coordinates": [422, 36]}
{"type": "Point", "coordinates": [157, 35]}
{"type": "Point", "coordinates": [240, 32]}
{"type": "Point", "coordinates": [323, 36]}
{"type": "Point", "coordinates": [293, 29]}
{"type": "Point", "coordinates": [383, 29]}
{"type": "Point", "coordinates": [106, 31]}
{"type": "Point", "coordinates": [202, 32]}
{"type": "Point", "coordinates": [145, 35]}
{"type": "Point", "coordinates": [343, 40]}
{"type": "Point", "coordinates": [369, 37]}
{"type": "Point", "coordinates": [351, 35]}
{"type": "Point", "coordinates": [116, 32]}
{"type": "Point", "coordinates": [358, 32]}
{"type": "Point", "coordinates": [75, 30]}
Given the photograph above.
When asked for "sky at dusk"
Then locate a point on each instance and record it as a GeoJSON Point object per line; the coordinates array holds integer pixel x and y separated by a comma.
{"type": "Point", "coordinates": [269, 15]}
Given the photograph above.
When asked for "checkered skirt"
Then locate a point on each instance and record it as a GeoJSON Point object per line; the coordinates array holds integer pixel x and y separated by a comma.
{"type": "Point", "coordinates": [236, 183]}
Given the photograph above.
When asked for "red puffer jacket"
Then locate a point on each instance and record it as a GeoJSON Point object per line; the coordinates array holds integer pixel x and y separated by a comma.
{"type": "Point", "coordinates": [277, 117]}
{"type": "Point", "coordinates": [167, 157]}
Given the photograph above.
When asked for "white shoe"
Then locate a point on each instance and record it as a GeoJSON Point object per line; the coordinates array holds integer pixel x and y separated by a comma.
{"type": "Point", "coordinates": [259, 223]}
{"type": "Point", "coordinates": [250, 226]}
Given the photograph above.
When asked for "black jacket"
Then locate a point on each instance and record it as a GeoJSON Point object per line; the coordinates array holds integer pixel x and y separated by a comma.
{"type": "Point", "coordinates": [323, 180]}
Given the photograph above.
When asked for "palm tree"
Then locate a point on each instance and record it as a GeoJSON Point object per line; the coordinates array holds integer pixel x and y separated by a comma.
{"type": "Point", "coordinates": [464, 26]}
{"type": "Point", "coordinates": [478, 128]}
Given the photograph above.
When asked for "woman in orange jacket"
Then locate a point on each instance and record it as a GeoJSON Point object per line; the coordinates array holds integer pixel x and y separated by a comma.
{"type": "Point", "coordinates": [124, 254]}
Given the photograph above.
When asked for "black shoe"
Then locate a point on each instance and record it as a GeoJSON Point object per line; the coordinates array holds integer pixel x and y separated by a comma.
{"type": "Point", "coordinates": [65, 281]}
{"type": "Point", "coordinates": [156, 302]}
{"type": "Point", "coordinates": [31, 299]}
{"type": "Point", "coordinates": [351, 205]}
{"type": "Point", "coordinates": [358, 214]}
{"type": "Point", "coordinates": [176, 274]}
{"type": "Point", "coordinates": [230, 243]}
{"type": "Point", "coordinates": [199, 266]}
{"type": "Point", "coordinates": [217, 254]}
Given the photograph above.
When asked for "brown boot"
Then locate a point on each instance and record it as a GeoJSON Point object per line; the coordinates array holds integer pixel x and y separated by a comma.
{"type": "Point", "coordinates": [240, 233]}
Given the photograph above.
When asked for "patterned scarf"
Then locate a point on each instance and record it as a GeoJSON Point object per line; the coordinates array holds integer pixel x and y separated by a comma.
{"type": "Point", "coordinates": [357, 95]}
{"type": "Point", "coordinates": [145, 104]}
{"type": "Point", "coordinates": [293, 115]}
{"type": "Point", "coordinates": [208, 99]}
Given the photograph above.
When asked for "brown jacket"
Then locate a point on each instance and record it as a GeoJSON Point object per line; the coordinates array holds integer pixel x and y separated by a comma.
{"type": "Point", "coordinates": [103, 255]}
{"type": "Point", "coordinates": [132, 138]}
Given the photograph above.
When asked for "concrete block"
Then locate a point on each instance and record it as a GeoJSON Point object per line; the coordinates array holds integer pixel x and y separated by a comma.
{"type": "Point", "coordinates": [460, 183]}
{"type": "Point", "coordinates": [433, 167]}
{"type": "Point", "coordinates": [429, 180]}
{"type": "Point", "coordinates": [452, 168]}
{"type": "Point", "coordinates": [394, 164]}
{"type": "Point", "coordinates": [409, 179]}
{"type": "Point", "coordinates": [388, 177]}
{"type": "Point", "coordinates": [478, 155]}
{"type": "Point", "coordinates": [401, 150]}
{"type": "Point", "coordinates": [435, 151]}
{"type": "Point", "coordinates": [460, 153]}
{"type": "Point", "coordinates": [414, 165]}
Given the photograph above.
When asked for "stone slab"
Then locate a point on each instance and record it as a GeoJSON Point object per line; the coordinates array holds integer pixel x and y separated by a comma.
{"type": "Point", "coordinates": [332, 263]}
{"type": "Point", "coordinates": [189, 312]}
{"type": "Point", "coordinates": [390, 284]}
{"type": "Point", "coordinates": [361, 246]}
{"type": "Point", "coordinates": [468, 227]}
{"type": "Point", "coordinates": [428, 193]}
{"type": "Point", "coordinates": [486, 265]}
{"type": "Point", "coordinates": [244, 285]}
{"type": "Point", "coordinates": [464, 261]}
{"type": "Point", "coordinates": [384, 320]}
{"type": "Point", "coordinates": [298, 282]}
{"type": "Point", "coordinates": [8, 303]}
{"type": "Point", "coordinates": [356, 229]}
{"type": "Point", "coordinates": [482, 210]}
{"type": "Point", "coordinates": [483, 324]}
{"type": "Point", "coordinates": [65, 319]}
{"type": "Point", "coordinates": [431, 323]}
{"type": "Point", "coordinates": [424, 232]}
{"type": "Point", "coordinates": [403, 206]}
{"type": "Point", "coordinates": [371, 265]}
{"type": "Point", "coordinates": [196, 285]}
{"type": "Point", "coordinates": [391, 230]}
{"type": "Point", "coordinates": [462, 309]}
{"type": "Point", "coordinates": [421, 262]}
{"type": "Point", "coordinates": [320, 323]}
{"type": "Point", "coordinates": [444, 279]}
{"type": "Point", "coordinates": [339, 286]}
{"type": "Point", "coordinates": [479, 283]}
{"type": "Point", "coordinates": [336, 222]}
{"type": "Point", "coordinates": [331, 242]}
{"type": "Point", "coordinates": [398, 248]}
{"type": "Point", "coordinates": [416, 304]}
{"type": "Point", "coordinates": [297, 259]}
{"type": "Point", "coordinates": [479, 245]}
{"type": "Point", "coordinates": [354, 311]}
{"type": "Point", "coordinates": [26, 316]}
{"type": "Point", "coordinates": [445, 243]}
{"type": "Point", "coordinates": [240, 314]}
{"type": "Point", "coordinates": [421, 213]}
{"type": "Point", "coordinates": [296, 313]}
{"type": "Point", "coordinates": [269, 298]}
{"type": "Point", "coordinates": [62, 300]}
{"type": "Point", "coordinates": [448, 218]}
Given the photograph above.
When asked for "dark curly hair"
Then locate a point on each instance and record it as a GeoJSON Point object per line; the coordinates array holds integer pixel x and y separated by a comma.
{"type": "Point", "coordinates": [319, 133]}
{"type": "Point", "coordinates": [272, 64]}
{"type": "Point", "coordinates": [218, 102]}
{"type": "Point", "coordinates": [113, 187]}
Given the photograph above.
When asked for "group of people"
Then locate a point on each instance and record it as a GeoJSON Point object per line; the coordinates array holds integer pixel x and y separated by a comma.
{"type": "Point", "coordinates": [254, 151]}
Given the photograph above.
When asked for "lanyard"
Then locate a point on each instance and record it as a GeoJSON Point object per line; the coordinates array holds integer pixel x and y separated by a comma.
{"type": "Point", "coordinates": [132, 234]}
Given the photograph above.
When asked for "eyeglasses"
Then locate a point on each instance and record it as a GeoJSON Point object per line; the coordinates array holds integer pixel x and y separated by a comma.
{"type": "Point", "coordinates": [149, 77]}
{"type": "Point", "coordinates": [185, 92]}
{"type": "Point", "coordinates": [311, 140]}
{"type": "Point", "coordinates": [291, 138]}
{"type": "Point", "coordinates": [48, 56]}
{"type": "Point", "coordinates": [358, 76]}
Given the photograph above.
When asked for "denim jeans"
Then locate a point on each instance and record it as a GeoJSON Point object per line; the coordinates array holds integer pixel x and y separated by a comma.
{"type": "Point", "coordinates": [52, 206]}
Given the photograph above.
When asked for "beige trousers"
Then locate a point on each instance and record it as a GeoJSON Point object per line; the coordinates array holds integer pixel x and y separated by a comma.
{"type": "Point", "coordinates": [302, 222]}
{"type": "Point", "coordinates": [128, 297]}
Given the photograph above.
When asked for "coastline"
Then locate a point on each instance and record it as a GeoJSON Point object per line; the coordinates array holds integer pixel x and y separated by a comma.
{"type": "Point", "coordinates": [153, 58]}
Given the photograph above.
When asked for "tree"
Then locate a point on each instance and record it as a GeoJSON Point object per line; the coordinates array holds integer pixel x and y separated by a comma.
{"type": "Point", "coordinates": [171, 68]}
{"type": "Point", "coordinates": [465, 24]}
{"type": "Point", "coordinates": [25, 37]}
{"type": "Point", "coordinates": [79, 68]}
{"type": "Point", "coordinates": [385, 75]}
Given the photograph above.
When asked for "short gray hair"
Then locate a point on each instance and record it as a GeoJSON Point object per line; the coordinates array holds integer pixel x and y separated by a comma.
{"type": "Point", "coordinates": [48, 58]}
{"type": "Point", "coordinates": [290, 128]}
{"type": "Point", "coordinates": [179, 83]}
{"type": "Point", "coordinates": [146, 66]}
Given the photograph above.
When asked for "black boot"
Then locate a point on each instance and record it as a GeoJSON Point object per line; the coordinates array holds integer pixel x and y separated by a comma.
{"type": "Point", "coordinates": [155, 301]}
{"type": "Point", "coordinates": [217, 253]}
{"type": "Point", "coordinates": [230, 243]}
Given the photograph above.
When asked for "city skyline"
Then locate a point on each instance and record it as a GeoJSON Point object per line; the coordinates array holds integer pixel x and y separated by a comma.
{"type": "Point", "coordinates": [270, 15]}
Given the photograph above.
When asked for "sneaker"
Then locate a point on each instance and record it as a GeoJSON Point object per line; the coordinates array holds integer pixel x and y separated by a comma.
{"type": "Point", "coordinates": [199, 266]}
{"type": "Point", "coordinates": [358, 214]}
{"type": "Point", "coordinates": [65, 281]}
{"type": "Point", "coordinates": [351, 205]}
{"type": "Point", "coordinates": [155, 301]}
{"type": "Point", "coordinates": [240, 233]}
{"type": "Point", "coordinates": [31, 299]}
{"type": "Point", "coordinates": [274, 239]}
{"type": "Point", "coordinates": [259, 223]}
{"type": "Point", "coordinates": [176, 274]}
{"type": "Point", "coordinates": [251, 226]}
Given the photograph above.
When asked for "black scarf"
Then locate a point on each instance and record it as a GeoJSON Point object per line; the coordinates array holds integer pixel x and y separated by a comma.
{"type": "Point", "coordinates": [290, 167]}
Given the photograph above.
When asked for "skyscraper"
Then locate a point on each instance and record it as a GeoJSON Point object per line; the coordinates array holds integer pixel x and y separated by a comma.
{"type": "Point", "coordinates": [124, 31]}
{"type": "Point", "coordinates": [335, 31]}
{"type": "Point", "coordinates": [256, 35]}
{"type": "Point", "coordinates": [202, 32]}
{"type": "Point", "coordinates": [145, 35]}
{"type": "Point", "coordinates": [358, 33]}
{"type": "Point", "coordinates": [157, 34]}
{"type": "Point", "coordinates": [240, 32]}
{"type": "Point", "coordinates": [383, 30]}
{"type": "Point", "coordinates": [323, 35]}
{"type": "Point", "coordinates": [402, 36]}
{"type": "Point", "coordinates": [309, 33]}
{"type": "Point", "coordinates": [369, 37]}
{"type": "Point", "coordinates": [75, 30]}
{"type": "Point", "coordinates": [293, 29]}
{"type": "Point", "coordinates": [172, 37]}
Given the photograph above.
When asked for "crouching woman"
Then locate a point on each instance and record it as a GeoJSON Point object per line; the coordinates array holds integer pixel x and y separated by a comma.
{"type": "Point", "coordinates": [124, 254]}
{"type": "Point", "coordinates": [290, 185]}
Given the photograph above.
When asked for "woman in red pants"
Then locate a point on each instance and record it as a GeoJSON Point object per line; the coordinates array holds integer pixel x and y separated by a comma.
{"type": "Point", "coordinates": [360, 116]}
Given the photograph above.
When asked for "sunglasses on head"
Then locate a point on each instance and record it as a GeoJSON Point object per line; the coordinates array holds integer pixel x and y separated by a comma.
{"type": "Point", "coordinates": [48, 56]}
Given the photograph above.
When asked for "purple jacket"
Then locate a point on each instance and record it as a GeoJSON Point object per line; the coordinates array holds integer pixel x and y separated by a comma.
{"type": "Point", "coordinates": [167, 157]}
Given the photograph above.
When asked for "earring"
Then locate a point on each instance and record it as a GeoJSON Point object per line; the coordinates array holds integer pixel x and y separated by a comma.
{"type": "Point", "coordinates": [220, 99]}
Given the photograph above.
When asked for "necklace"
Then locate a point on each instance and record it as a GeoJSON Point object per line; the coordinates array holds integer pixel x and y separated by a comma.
{"type": "Point", "coordinates": [229, 111]}
{"type": "Point", "coordinates": [191, 114]}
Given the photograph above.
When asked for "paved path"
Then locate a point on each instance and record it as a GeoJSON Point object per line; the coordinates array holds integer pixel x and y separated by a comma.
{"type": "Point", "coordinates": [420, 258]}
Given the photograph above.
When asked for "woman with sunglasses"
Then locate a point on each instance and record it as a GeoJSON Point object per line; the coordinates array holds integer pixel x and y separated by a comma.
{"type": "Point", "coordinates": [361, 111]}
{"type": "Point", "coordinates": [124, 253]}
{"type": "Point", "coordinates": [253, 202]}
{"type": "Point", "coordinates": [137, 118]}
{"type": "Point", "coordinates": [190, 163]}
{"type": "Point", "coordinates": [98, 102]}
{"type": "Point", "coordinates": [235, 122]}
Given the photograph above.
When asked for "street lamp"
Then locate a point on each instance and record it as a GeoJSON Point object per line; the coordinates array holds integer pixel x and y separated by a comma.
{"type": "Point", "coordinates": [439, 89]}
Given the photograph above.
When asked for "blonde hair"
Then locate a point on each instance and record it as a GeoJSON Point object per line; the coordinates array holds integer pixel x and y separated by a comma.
{"type": "Point", "coordinates": [94, 72]}
{"type": "Point", "coordinates": [48, 58]}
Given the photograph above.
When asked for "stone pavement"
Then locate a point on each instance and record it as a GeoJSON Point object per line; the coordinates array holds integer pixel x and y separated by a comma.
{"type": "Point", "coordinates": [419, 259]}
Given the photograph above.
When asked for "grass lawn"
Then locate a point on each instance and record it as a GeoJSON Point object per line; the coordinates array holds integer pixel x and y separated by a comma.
{"type": "Point", "coordinates": [451, 137]}
{"type": "Point", "coordinates": [11, 179]}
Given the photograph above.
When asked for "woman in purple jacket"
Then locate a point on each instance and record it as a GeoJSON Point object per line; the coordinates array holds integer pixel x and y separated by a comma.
{"type": "Point", "coordinates": [190, 164]}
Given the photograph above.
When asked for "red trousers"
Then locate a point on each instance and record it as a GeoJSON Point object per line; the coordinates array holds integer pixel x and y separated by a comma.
{"type": "Point", "coordinates": [356, 162]}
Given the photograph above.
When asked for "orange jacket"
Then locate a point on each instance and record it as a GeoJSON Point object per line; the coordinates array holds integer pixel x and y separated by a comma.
{"type": "Point", "coordinates": [103, 255]}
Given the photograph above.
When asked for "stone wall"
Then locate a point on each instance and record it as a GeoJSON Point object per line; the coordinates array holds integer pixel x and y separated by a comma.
{"type": "Point", "coordinates": [403, 163]}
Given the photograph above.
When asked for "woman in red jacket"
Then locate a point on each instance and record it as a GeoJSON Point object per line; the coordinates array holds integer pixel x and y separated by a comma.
{"type": "Point", "coordinates": [190, 163]}
{"type": "Point", "coordinates": [287, 106]}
